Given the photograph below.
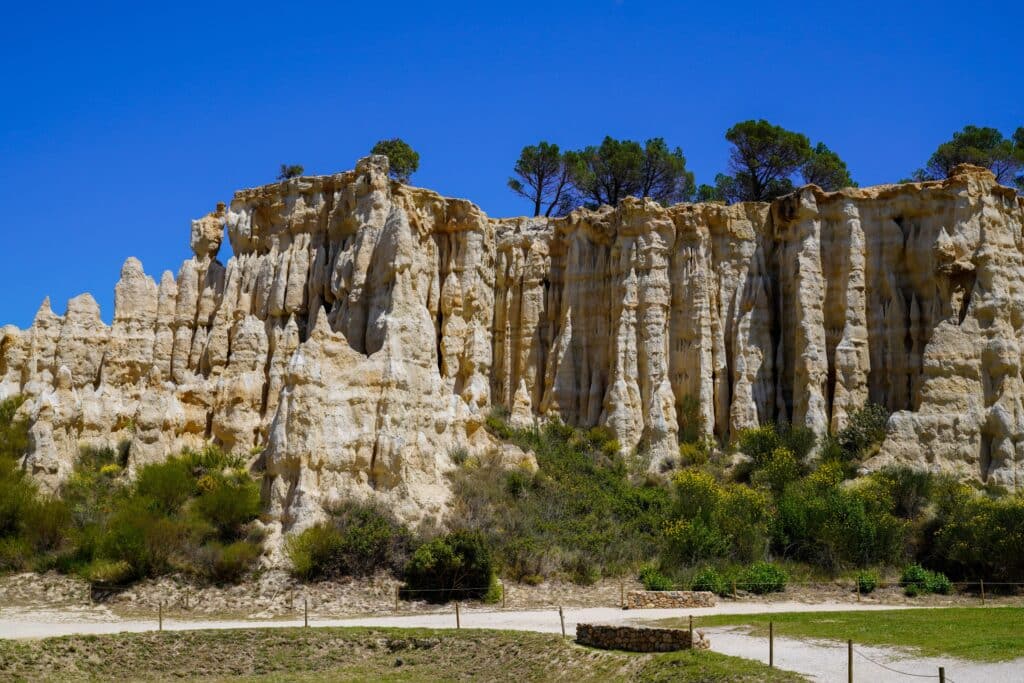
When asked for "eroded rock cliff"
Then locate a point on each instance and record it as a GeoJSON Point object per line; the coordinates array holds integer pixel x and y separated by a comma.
{"type": "Point", "coordinates": [363, 329]}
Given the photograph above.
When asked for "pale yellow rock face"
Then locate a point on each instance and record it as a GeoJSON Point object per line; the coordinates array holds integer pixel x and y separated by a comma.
{"type": "Point", "coordinates": [364, 329]}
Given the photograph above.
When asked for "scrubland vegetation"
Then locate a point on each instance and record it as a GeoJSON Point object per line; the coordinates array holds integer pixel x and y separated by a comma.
{"type": "Point", "coordinates": [749, 519]}
{"type": "Point", "coordinates": [717, 521]}
{"type": "Point", "coordinates": [189, 514]}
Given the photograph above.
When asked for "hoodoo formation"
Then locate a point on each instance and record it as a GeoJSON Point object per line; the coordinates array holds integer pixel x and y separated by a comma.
{"type": "Point", "coordinates": [364, 329]}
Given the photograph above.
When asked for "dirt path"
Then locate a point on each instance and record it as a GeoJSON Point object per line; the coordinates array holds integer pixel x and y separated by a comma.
{"type": "Point", "coordinates": [826, 660]}
{"type": "Point", "coordinates": [820, 660]}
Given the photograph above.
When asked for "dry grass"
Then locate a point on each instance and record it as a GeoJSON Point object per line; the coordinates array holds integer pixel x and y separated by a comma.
{"type": "Point", "coordinates": [334, 654]}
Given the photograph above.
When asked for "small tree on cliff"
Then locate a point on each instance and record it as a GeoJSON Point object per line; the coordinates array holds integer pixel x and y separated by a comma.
{"type": "Point", "coordinates": [981, 146]}
{"type": "Point", "coordinates": [616, 169]}
{"type": "Point", "coordinates": [543, 178]}
{"type": "Point", "coordinates": [766, 158]}
{"type": "Point", "coordinates": [762, 162]}
{"type": "Point", "coordinates": [290, 171]}
{"type": "Point", "coordinates": [403, 159]}
{"type": "Point", "coordinates": [825, 169]}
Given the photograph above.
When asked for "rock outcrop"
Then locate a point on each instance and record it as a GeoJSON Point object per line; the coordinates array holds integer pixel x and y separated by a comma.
{"type": "Point", "coordinates": [363, 329]}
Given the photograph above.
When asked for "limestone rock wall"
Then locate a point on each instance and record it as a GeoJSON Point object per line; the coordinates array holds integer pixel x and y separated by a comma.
{"type": "Point", "coordinates": [363, 329]}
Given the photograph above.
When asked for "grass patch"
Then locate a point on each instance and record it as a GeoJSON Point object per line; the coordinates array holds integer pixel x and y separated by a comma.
{"type": "Point", "coordinates": [351, 654]}
{"type": "Point", "coordinates": [988, 634]}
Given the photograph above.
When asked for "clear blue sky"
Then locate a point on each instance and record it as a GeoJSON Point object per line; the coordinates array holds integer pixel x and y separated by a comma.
{"type": "Point", "coordinates": [120, 123]}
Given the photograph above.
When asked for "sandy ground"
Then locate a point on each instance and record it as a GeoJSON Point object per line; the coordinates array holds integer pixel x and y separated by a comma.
{"type": "Point", "coordinates": [820, 660]}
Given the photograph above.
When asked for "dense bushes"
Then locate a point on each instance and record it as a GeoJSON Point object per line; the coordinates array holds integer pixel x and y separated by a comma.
{"type": "Point", "coordinates": [824, 523]}
{"type": "Point", "coordinates": [579, 516]}
{"type": "Point", "coordinates": [31, 526]}
{"type": "Point", "coordinates": [867, 581]}
{"type": "Point", "coordinates": [917, 580]}
{"type": "Point", "coordinates": [978, 537]}
{"type": "Point", "coordinates": [654, 580]}
{"type": "Point", "coordinates": [456, 566]}
{"type": "Point", "coordinates": [191, 514]}
{"type": "Point", "coordinates": [712, 521]}
{"type": "Point", "coordinates": [763, 577]}
{"type": "Point", "coordinates": [357, 540]}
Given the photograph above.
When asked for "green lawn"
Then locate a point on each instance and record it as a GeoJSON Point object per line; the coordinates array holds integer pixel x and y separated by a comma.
{"type": "Point", "coordinates": [356, 654]}
{"type": "Point", "coordinates": [979, 633]}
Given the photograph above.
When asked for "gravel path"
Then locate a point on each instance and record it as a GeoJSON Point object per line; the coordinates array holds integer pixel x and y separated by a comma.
{"type": "Point", "coordinates": [820, 660]}
{"type": "Point", "coordinates": [826, 660]}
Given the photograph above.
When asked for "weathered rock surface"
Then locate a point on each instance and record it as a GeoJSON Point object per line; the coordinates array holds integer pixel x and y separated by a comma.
{"type": "Point", "coordinates": [363, 329]}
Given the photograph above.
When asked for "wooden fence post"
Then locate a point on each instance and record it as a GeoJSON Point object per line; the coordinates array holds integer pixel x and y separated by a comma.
{"type": "Point", "coordinates": [458, 618]}
{"type": "Point", "coordinates": [503, 595]}
{"type": "Point", "coordinates": [942, 674]}
{"type": "Point", "coordinates": [305, 611]}
{"type": "Point", "coordinates": [622, 594]}
{"type": "Point", "coordinates": [160, 616]}
{"type": "Point", "coordinates": [691, 631]}
{"type": "Point", "coordinates": [849, 661]}
{"type": "Point", "coordinates": [771, 644]}
{"type": "Point", "coordinates": [561, 618]}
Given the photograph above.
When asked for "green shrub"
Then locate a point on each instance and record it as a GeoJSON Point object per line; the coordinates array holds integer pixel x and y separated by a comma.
{"type": "Point", "coordinates": [211, 460]}
{"type": "Point", "coordinates": [864, 430]}
{"type": "Point", "coordinates": [744, 517]}
{"type": "Point", "coordinates": [46, 524]}
{"type": "Point", "coordinates": [517, 481]}
{"type": "Point", "coordinates": [867, 582]}
{"type": "Point", "coordinates": [708, 579]}
{"type": "Point", "coordinates": [229, 563]}
{"type": "Point", "coordinates": [688, 542]}
{"type": "Point", "coordinates": [908, 488]}
{"type": "Point", "coordinates": [917, 580]}
{"type": "Point", "coordinates": [358, 540]}
{"type": "Point", "coordinates": [228, 505]}
{"type": "Point", "coordinates": [779, 470]}
{"type": "Point", "coordinates": [978, 537]}
{"type": "Point", "coordinates": [939, 583]}
{"type": "Point", "coordinates": [14, 439]}
{"type": "Point", "coordinates": [581, 570]}
{"type": "Point", "coordinates": [693, 454]}
{"type": "Point", "coordinates": [313, 551]}
{"type": "Point", "coordinates": [714, 521]}
{"type": "Point", "coordinates": [691, 424]}
{"type": "Point", "coordinates": [654, 580]}
{"type": "Point", "coordinates": [761, 442]}
{"type": "Point", "coordinates": [459, 456]}
{"type": "Point", "coordinates": [168, 484]}
{"type": "Point", "coordinates": [110, 572]}
{"type": "Point", "coordinates": [16, 554]}
{"type": "Point", "coordinates": [825, 524]}
{"type": "Point", "coordinates": [498, 426]}
{"type": "Point", "coordinates": [581, 503]}
{"type": "Point", "coordinates": [455, 566]}
{"type": "Point", "coordinates": [763, 577]}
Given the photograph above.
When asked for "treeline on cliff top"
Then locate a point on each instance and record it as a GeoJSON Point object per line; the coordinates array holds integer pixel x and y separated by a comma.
{"type": "Point", "coordinates": [775, 505]}
{"type": "Point", "coordinates": [765, 162]}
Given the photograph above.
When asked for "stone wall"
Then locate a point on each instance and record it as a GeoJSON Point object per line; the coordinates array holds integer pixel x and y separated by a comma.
{"type": "Point", "coordinates": [639, 638]}
{"type": "Point", "coordinates": [669, 599]}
